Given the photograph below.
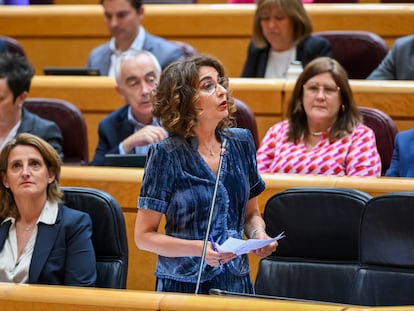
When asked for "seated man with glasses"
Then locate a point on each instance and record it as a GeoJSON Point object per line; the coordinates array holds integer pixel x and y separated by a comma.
{"type": "Point", "coordinates": [131, 128]}
{"type": "Point", "coordinates": [323, 133]}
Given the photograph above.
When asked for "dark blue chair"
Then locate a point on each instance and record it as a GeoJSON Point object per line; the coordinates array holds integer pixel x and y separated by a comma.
{"type": "Point", "coordinates": [318, 258]}
{"type": "Point", "coordinates": [109, 235]}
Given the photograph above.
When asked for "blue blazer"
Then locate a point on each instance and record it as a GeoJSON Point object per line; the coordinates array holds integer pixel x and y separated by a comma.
{"type": "Point", "coordinates": [165, 51]}
{"type": "Point", "coordinates": [46, 129]}
{"type": "Point", "coordinates": [398, 64]}
{"type": "Point", "coordinates": [3, 47]}
{"type": "Point", "coordinates": [63, 253]}
{"type": "Point", "coordinates": [402, 162]}
{"type": "Point", "coordinates": [307, 50]}
{"type": "Point", "coordinates": [113, 129]}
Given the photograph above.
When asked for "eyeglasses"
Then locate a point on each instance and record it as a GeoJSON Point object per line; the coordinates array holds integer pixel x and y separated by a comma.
{"type": "Point", "coordinates": [327, 90]}
{"type": "Point", "coordinates": [209, 86]}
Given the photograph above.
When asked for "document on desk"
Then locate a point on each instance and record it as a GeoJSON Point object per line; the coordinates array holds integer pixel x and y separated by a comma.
{"type": "Point", "coordinates": [240, 247]}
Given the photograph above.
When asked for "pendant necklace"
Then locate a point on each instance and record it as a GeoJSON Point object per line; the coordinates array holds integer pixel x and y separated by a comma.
{"type": "Point", "coordinates": [210, 150]}
{"type": "Point", "coordinates": [317, 134]}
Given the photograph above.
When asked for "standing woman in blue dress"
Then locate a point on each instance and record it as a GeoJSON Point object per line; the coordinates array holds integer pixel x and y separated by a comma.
{"type": "Point", "coordinates": [193, 104]}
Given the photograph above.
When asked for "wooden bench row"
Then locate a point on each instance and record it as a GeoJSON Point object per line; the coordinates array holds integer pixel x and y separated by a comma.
{"type": "Point", "coordinates": [124, 184]}
{"type": "Point", "coordinates": [268, 98]}
{"type": "Point", "coordinates": [63, 35]}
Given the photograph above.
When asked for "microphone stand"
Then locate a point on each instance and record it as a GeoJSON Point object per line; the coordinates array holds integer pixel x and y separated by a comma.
{"type": "Point", "coordinates": [213, 202]}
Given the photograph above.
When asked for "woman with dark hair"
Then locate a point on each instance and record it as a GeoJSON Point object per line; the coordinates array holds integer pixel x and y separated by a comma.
{"type": "Point", "coordinates": [41, 240]}
{"type": "Point", "coordinates": [282, 35]}
{"type": "Point", "coordinates": [323, 133]}
{"type": "Point", "coordinates": [193, 104]}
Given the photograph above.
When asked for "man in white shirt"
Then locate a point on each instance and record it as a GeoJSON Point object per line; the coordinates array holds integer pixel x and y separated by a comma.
{"type": "Point", "coordinates": [123, 20]}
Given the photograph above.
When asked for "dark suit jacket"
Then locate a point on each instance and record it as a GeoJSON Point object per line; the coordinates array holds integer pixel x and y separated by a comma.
{"type": "Point", "coordinates": [112, 130]}
{"type": "Point", "coordinates": [165, 51]}
{"type": "Point", "coordinates": [402, 162]}
{"type": "Point", "coordinates": [307, 50]}
{"type": "Point", "coordinates": [398, 64]}
{"type": "Point", "coordinates": [63, 253]}
{"type": "Point", "coordinates": [48, 130]}
{"type": "Point", "coordinates": [3, 47]}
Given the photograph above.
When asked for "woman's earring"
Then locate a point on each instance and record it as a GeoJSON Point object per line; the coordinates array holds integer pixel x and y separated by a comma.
{"type": "Point", "coordinates": [343, 108]}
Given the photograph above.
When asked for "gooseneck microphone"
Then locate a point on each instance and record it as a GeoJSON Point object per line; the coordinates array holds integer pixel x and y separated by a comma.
{"type": "Point", "coordinates": [213, 202]}
{"type": "Point", "coordinates": [220, 292]}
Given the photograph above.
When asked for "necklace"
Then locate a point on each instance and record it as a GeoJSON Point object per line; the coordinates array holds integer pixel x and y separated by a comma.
{"type": "Point", "coordinates": [210, 150]}
{"type": "Point", "coordinates": [317, 134]}
{"type": "Point", "coordinates": [28, 228]}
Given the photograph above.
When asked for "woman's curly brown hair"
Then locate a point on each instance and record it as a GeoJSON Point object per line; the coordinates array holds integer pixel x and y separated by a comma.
{"type": "Point", "coordinates": [177, 94]}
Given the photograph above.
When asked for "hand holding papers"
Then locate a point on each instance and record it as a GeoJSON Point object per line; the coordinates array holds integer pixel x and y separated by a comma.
{"type": "Point", "coordinates": [240, 247]}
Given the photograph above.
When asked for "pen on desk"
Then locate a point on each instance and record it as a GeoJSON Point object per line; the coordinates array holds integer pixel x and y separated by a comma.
{"type": "Point", "coordinates": [213, 245]}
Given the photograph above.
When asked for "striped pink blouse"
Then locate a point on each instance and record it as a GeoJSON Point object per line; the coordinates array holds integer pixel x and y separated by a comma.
{"type": "Point", "coordinates": [353, 155]}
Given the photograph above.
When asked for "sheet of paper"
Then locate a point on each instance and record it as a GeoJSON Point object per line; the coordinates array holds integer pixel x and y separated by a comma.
{"type": "Point", "coordinates": [240, 247]}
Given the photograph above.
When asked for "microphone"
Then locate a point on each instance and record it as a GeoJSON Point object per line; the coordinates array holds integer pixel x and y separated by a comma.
{"type": "Point", "coordinates": [213, 202]}
{"type": "Point", "coordinates": [220, 292]}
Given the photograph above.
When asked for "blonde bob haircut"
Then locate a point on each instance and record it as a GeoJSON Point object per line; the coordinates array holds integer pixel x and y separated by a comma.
{"type": "Point", "coordinates": [293, 9]}
{"type": "Point", "coordinates": [53, 163]}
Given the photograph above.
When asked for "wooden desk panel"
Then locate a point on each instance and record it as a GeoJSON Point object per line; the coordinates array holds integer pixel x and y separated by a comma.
{"type": "Point", "coordinates": [198, 1]}
{"type": "Point", "coordinates": [63, 35]}
{"type": "Point", "coordinates": [96, 98]}
{"type": "Point", "coordinates": [50, 298]}
{"type": "Point", "coordinates": [268, 98]}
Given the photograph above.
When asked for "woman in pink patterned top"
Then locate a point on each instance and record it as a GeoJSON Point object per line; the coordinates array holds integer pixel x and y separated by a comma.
{"type": "Point", "coordinates": [323, 133]}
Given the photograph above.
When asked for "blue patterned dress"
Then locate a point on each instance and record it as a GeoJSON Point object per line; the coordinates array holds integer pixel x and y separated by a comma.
{"type": "Point", "coordinates": [179, 184]}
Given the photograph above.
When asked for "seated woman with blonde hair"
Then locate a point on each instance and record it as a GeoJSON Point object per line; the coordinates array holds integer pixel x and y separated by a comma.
{"type": "Point", "coordinates": [323, 133]}
{"type": "Point", "coordinates": [41, 240]}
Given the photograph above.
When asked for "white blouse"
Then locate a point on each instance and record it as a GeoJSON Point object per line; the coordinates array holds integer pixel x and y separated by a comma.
{"type": "Point", "coordinates": [278, 63]}
{"type": "Point", "coordinates": [15, 269]}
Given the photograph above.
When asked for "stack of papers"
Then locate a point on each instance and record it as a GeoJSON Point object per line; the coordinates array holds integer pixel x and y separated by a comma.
{"type": "Point", "coordinates": [240, 247]}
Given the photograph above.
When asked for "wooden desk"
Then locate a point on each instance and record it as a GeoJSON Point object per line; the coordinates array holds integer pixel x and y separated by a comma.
{"type": "Point", "coordinates": [65, 298]}
{"type": "Point", "coordinates": [63, 35]}
{"type": "Point", "coordinates": [124, 184]}
{"type": "Point", "coordinates": [268, 98]}
{"type": "Point", "coordinates": [198, 1]}
{"type": "Point", "coordinates": [96, 98]}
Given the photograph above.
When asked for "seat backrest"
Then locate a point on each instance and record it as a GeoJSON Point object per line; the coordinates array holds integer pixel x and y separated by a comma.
{"type": "Point", "coordinates": [108, 233]}
{"type": "Point", "coordinates": [318, 258]}
{"type": "Point", "coordinates": [71, 123]}
{"type": "Point", "coordinates": [309, 215]}
{"type": "Point", "coordinates": [187, 48]}
{"type": "Point", "coordinates": [12, 45]}
{"type": "Point", "coordinates": [385, 130]}
{"type": "Point", "coordinates": [386, 276]}
{"type": "Point", "coordinates": [359, 52]}
{"type": "Point", "coordinates": [245, 119]}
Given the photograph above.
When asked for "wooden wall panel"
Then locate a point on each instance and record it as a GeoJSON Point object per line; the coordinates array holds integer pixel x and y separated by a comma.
{"type": "Point", "coordinates": [63, 35]}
